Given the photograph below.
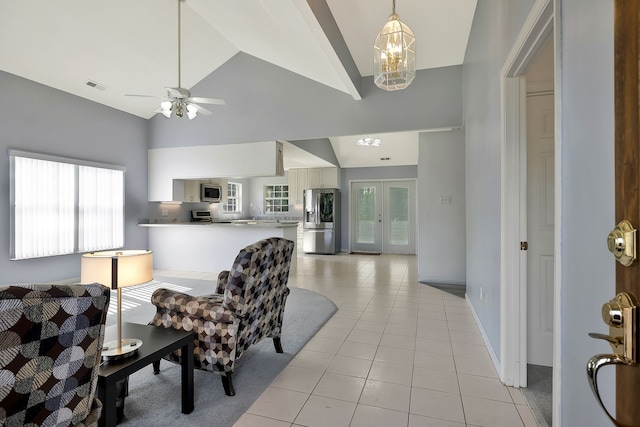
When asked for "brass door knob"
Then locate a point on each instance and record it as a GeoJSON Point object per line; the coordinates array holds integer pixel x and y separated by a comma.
{"type": "Point", "coordinates": [622, 243]}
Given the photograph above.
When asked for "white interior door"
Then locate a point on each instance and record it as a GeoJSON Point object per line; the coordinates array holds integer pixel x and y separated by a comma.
{"type": "Point", "coordinates": [366, 214]}
{"type": "Point", "coordinates": [399, 217]}
{"type": "Point", "coordinates": [540, 228]}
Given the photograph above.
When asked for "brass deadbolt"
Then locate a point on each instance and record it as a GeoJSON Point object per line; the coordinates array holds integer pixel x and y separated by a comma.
{"type": "Point", "coordinates": [622, 243]}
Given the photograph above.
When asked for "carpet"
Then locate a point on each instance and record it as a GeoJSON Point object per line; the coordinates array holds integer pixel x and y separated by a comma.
{"type": "Point", "coordinates": [154, 400]}
{"type": "Point", "coordinates": [539, 393]}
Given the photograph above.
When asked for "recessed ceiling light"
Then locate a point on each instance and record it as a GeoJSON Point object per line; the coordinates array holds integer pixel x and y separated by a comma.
{"type": "Point", "coordinates": [94, 85]}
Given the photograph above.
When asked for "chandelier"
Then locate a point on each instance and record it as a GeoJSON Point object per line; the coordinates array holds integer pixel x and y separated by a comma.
{"type": "Point", "coordinates": [369, 141]}
{"type": "Point", "coordinates": [394, 55]}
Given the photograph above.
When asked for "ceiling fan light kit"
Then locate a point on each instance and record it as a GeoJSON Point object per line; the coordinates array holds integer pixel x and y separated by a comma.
{"type": "Point", "coordinates": [394, 55]}
{"type": "Point", "coordinates": [369, 141]}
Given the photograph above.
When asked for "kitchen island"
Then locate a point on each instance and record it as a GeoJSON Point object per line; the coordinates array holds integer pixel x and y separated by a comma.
{"type": "Point", "coordinates": [211, 246]}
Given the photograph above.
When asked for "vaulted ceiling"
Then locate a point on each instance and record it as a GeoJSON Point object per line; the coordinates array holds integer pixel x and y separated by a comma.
{"type": "Point", "coordinates": [131, 46]}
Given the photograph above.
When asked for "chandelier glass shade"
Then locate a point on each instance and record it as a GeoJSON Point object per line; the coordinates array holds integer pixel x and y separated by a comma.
{"type": "Point", "coordinates": [394, 55]}
{"type": "Point", "coordinates": [369, 141]}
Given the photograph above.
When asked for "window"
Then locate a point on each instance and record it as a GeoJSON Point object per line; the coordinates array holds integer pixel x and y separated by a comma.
{"type": "Point", "coordinates": [234, 198]}
{"type": "Point", "coordinates": [276, 198]}
{"type": "Point", "coordinates": [63, 206]}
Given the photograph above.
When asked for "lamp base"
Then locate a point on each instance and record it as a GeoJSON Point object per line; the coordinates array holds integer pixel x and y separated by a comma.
{"type": "Point", "coordinates": [111, 350]}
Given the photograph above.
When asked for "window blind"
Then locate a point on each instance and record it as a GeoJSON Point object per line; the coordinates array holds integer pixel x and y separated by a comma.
{"type": "Point", "coordinates": [61, 206]}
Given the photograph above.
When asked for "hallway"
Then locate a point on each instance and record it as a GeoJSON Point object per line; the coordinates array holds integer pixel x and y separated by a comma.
{"type": "Point", "coordinates": [396, 353]}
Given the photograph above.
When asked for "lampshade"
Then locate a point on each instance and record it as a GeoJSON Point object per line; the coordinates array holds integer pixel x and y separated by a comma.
{"type": "Point", "coordinates": [118, 269]}
{"type": "Point", "coordinates": [133, 268]}
{"type": "Point", "coordinates": [394, 55]}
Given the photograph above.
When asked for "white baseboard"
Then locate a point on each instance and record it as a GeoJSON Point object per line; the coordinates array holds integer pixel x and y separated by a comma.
{"type": "Point", "coordinates": [485, 338]}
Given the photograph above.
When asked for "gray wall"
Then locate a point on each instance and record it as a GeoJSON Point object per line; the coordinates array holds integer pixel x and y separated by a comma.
{"type": "Point", "coordinates": [495, 27]}
{"type": "Point", "coordinates": [45, 120]}
{"type": "Point", "coordinates": [266, 103]}
{"type": "Point", "coordinates": [367, 174]}
{"type": "Point", "coordinates": [587, 204]}
{"type": "Point", "coordinates": [319, 147]}
{"type": "Point", "coordinates": [441, 228]}
{"type": "Point", "coordinates": [588, 276]}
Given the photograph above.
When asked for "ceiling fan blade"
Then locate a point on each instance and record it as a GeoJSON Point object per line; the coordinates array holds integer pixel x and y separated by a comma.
{"type": "Point", "coordinates": [202, 110]}
{"type": "Point", "coordinates": [144, 96]}
{"type": "Point", "coordinates": [208, 100]}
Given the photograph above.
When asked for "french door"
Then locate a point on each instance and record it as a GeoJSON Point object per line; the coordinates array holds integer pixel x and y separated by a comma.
{"type": "Point", "coordinates": [383, 217]}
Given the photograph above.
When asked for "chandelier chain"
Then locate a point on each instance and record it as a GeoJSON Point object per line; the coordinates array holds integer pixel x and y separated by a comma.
{"type": "Point", "coordinates": [393, 10]}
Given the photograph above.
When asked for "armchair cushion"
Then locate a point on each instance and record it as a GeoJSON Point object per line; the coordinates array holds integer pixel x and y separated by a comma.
{"type": "Point", "coordinates": [51, 340]}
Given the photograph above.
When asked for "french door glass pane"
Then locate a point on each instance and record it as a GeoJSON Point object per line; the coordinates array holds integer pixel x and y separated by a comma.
{"type": "Point", "coordinates": [366, 210]}
{"type": "Point", "coordinates": [398, 216]}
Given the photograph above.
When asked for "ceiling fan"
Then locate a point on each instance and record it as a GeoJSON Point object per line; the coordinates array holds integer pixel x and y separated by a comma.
{"type": "Point", "coordinates": [179, 99]}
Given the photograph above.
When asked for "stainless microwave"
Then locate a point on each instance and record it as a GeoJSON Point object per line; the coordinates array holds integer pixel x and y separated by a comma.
{"type": "Point", "coordinates": [210, 193]}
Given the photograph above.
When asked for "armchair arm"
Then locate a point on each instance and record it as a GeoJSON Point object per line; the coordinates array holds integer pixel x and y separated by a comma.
{"type": "Point", "coordinates": [190, 306]}
{"type": "Point", "coordinates": [223, 278]}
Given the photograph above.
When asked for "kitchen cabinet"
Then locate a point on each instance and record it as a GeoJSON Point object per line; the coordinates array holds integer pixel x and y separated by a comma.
{"type": "Point", "coordinates": [330, 178]}
{"type": "Point", "coordinates": [191, 190]}
{"type": "Point", "coordinates": [323, 178]}
{"type": "Point", "coordinates": [315, 177]}
{"type": "Point", "coordinates": [298, 181]}
{"type": "Point", "coordinates": [186, 190]}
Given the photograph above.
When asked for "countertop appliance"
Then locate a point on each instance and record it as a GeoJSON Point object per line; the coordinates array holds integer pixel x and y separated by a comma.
{"type": "Point", "coordinates": [210, 193]}
{"type": "Point", "coordinates": [201, 216]}
{"type": "Point", "coordinates": [321, 227]}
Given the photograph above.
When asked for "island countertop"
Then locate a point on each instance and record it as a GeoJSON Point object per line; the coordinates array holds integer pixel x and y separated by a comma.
{"type": "Point", "coordinates": [231, 223]}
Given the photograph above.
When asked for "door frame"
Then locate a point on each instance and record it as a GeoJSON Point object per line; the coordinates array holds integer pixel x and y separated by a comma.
{"type": "Point", "coordinates": [382, 181]}
{"type": "Point", "coordinates": [535, 32]}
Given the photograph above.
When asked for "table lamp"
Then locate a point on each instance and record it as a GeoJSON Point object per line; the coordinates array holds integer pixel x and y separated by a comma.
{"type": "Point", "coordinates": [120, 269]}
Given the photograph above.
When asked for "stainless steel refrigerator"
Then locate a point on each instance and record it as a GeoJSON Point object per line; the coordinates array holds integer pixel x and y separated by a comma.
{"type": "Point", "coordinates": [321, 233]}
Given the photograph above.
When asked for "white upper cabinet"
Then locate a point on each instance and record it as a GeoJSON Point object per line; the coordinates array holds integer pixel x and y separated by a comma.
{"type": "Point", "coordinates": [302, 179]}
{"type": "Point", "coordinates": [297, 183]}
{"type": "Point", "coordinates": [315, 178]}
{"type": "Point", "coordinates": [330, 178]}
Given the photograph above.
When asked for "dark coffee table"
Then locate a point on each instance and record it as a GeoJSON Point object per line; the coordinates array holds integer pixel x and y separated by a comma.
{"type": "Point", "coordinates": [156, 342]}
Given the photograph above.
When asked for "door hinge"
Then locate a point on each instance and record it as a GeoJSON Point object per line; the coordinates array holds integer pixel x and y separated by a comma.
{"type": "Point", "coordinates": [524, 246]}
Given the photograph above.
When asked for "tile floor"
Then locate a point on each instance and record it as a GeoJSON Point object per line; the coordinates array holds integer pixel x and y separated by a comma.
{"type": "Point", "coordinates": [396, 353]}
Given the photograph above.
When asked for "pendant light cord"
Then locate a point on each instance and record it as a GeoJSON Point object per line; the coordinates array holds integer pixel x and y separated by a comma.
{"type": "Point", "coordinates": [393, 9]}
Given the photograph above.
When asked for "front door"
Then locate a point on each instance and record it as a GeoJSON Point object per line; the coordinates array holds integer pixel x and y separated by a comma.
{"type": "Point", "coordinates": [627, 178]}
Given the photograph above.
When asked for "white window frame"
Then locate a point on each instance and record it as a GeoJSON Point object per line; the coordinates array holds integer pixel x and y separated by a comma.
{"type": "Point", "coordinates": [64, 206]}
{"type": "Point", "coordinates": [237, 199]}
{"type": "Point", "coordinates": [281, 203]}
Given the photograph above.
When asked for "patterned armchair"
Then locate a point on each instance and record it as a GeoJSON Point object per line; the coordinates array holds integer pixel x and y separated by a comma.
{"type": "Point", "coordinates": [248, 306]}
{"type": "Point", "coordinates": [50, 350]}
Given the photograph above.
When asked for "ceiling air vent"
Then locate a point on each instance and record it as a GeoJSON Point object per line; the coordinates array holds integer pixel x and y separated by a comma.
{"type": "Point", "coordinates": [95, 85]}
